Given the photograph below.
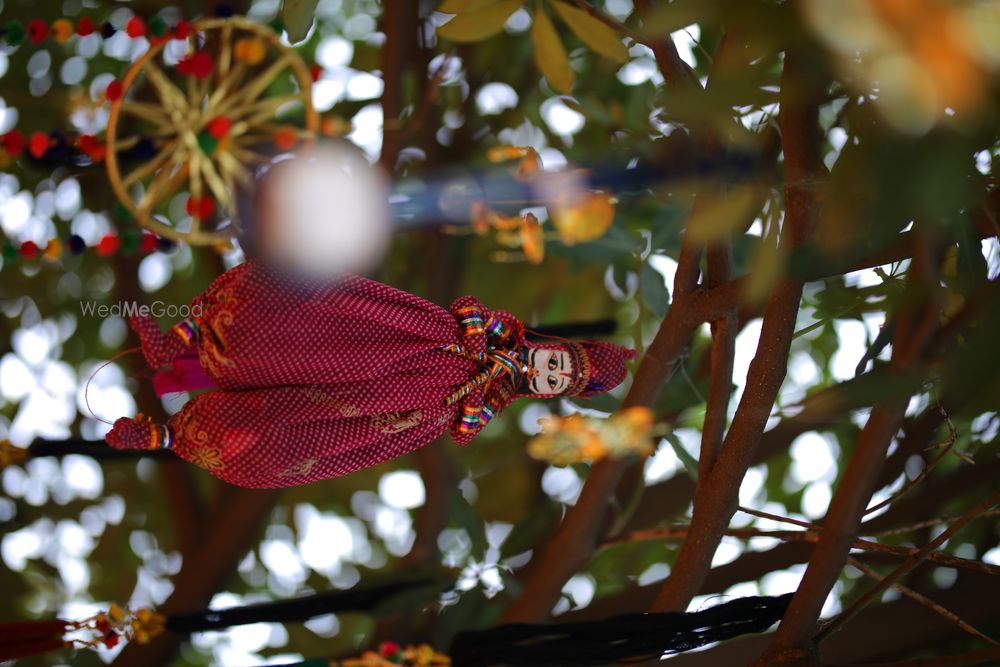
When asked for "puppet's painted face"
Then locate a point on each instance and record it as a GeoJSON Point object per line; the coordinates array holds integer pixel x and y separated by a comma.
{"type": "Point", "coordinates": [550, 371]}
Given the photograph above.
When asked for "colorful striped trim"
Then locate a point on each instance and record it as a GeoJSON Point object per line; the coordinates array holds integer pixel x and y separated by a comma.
{"type": "Point", "coordinates": [471, 320]}
{"type": "Point", "coordinates": [161, 437]}
{"type": "Point", "coordinates": [496, 329]}
{"type": "Point", "coordinates": [470, 419]}
{"type": "Point", "coordinates": [486, 415]}
{"type": "Point", "coordinates": [189, 330]}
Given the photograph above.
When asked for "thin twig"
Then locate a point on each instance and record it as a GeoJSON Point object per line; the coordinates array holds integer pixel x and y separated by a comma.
{"type": "Point", "coordinates": [984, 657]}
{"type": "Point", "coordinates": [946, 446]}
{"type": "Point", "coordinates": [925, 601]}
{"type": "Point", "coordinates": [911, 562]}
{"type": "Point", "coordinates": [811, 534]}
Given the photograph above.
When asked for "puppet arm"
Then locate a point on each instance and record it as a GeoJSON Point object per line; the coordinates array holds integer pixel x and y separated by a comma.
{"type": "Point", "coordinates": [139, 433]}
{"type": "Point", "coordinates": [159, 347]}
{"type": "Point", "coordinates": [476, 411]}
{"type": "Point", "coordinates": [482, 326]}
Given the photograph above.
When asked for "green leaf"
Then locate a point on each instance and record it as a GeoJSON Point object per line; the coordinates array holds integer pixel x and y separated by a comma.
{"type": "Point", "coordinates": [598, 36]}
{"type": "Point", "coordinates": [690, 462]}
{"type": "Point", "coordinates": [297, 16]}
{"type": "Point", "coordinates": [550, 56]}
{"type": "Point", "coordinates": [654, 290]}
{"type": "Point", "coordinates": [461, 6]}
{"type": "Point", "coordinates": [479, 24]}
{"type": "Point", "coordinates": [525, 535]}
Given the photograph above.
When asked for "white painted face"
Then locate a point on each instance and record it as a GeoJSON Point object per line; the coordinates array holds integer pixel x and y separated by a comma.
{"type": "Point", "coordinates": [552, 371]}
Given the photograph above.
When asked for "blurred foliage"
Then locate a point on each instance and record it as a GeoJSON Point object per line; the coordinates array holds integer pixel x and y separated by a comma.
{"type": "Point", "coordinates": [916, 150]}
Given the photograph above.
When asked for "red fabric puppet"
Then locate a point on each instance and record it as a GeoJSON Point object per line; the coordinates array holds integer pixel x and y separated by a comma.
{"type": "Point", "coordinates": [310, 382]}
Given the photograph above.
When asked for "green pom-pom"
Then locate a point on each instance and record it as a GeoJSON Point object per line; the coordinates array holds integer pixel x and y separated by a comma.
{"type": "Point", "coordinates": [207, 142]}
{"type": "Point", "coordinates": [14, 33]}
{"type": "Point", "coordinates": [157, 27]}
{"type": "Point", "coordinates": [9, 251]}
{"type": "Point", "coordinates": [130, 240]}
{"type": "Point", "coordinates": [121, 212]}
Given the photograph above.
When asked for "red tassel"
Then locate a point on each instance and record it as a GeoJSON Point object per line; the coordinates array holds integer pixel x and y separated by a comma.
{"type": "Point", "coordinates": [25, 638]}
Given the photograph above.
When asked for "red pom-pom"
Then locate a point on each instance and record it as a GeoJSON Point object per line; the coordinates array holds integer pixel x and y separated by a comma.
{"type": "Point", "coordinates": [219, 126]}
{"type": "Point", "coordinates": [388, 649]}
{"type": "Point", "coordinates": [135, 27]}
{"type": "Point", "coordinates": [108, 245]}
{"type": "Point", "coordinates": [182, 29]}
{"type": "Point", "coordinates": [38, 30]}
{"type": "Point", "coordinates": [200, 208]}
{"type": "Point", "coordinates": [316, 71]}
{"type": "Point", "coordinates": [285, 138]}
{"type": "Point", "coordinates": [113, 91]}
{"type": "Point", "coordinates": [198, 64]}
{"type": "Point", "coordinates": [91, 147]}
{"type": "Point", "coordinates": [13, 142]}
{"type": "Point", "coordinates": [111, 639]}
{"type": "Point", "coordinates": [38, 144]}
{"type": "Point", "coordinates": [84, 26]}
{"type": "Point", "coordinates": [29, 249]}
{"type": "Point", "coordinates": [147, 243]}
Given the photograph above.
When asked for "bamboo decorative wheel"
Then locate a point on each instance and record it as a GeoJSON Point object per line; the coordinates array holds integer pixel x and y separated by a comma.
{"type": "Point", "coordinates": [199, 126]}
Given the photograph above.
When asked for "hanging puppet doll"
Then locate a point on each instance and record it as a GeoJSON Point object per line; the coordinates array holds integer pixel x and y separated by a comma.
{"type": "Point", "coordinates": [308, 382]}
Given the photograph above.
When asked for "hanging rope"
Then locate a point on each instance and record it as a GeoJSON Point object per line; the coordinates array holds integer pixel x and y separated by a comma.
{"type": "Point", "coordinates": [626, 638]}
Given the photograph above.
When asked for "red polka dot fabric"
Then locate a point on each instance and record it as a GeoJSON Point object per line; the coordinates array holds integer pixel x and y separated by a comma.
{"type": "Point", "coordinates": [317, 381]}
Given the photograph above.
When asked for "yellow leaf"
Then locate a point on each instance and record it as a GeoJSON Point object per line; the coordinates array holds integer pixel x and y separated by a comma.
{"type": "Point", "coordinates": [719, 217]}
{"type": "Point", "coordinates": [477, 25]}
{"type": "Point", "coordinates": [532, 240]}
{"type": "Point", "coordinates": [584, 219]}
{"type": "Point", "coordinates": [550, 54]}
{"type": "Point", "coordinates": [600, 37]}
{"type": "Point", "coordinates": [766, 267]}
{"type": "Point", "coordinates": [459, 6]}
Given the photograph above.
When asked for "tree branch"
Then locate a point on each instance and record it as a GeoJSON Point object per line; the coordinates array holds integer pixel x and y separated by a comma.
{"type": "Point", "coordinates": [913, 333]}
{"type": "Point", "coordinates": [716, 498]}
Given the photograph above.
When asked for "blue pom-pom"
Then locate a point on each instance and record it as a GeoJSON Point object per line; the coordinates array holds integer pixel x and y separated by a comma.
{"type": "Point", "coordinates": [77, 245]}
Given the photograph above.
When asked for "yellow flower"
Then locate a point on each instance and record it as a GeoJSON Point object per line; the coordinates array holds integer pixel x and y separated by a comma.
{"type": "Point", "coordinates": [208, 458]}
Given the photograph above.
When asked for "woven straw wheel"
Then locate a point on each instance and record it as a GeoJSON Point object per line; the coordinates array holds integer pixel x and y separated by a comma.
{"type": "Point", "coordinates": [235, 90]}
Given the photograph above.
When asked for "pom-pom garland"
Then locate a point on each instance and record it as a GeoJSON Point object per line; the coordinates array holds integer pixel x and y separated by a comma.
{"type": "Point", "coordinates": [127, 242]}
{"type": "Point", "coordinates": [155, 29]}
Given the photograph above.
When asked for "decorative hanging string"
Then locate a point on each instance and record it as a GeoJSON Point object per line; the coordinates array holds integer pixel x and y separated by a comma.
{"type": "Point", "coordinates": [62, 30]}
{"type": "Point", "coordinates": [628, 638]}
{"type": "Point", "coordinates": [27, 638]}
{"type": "Point", "coordinates": [86, 388]}
{"type": "Point", "coordinates": [620, 639]}
{"type": "Point", "coordinates": [127, 242]}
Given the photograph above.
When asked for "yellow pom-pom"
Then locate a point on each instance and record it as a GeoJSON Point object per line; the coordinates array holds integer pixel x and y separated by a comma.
{"type": "Point", "coordinates": [62, 30]}
{"type": "Point", "coordinates": [249, 50]}
{"type": "Point", "coordinates": [53, 250]}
